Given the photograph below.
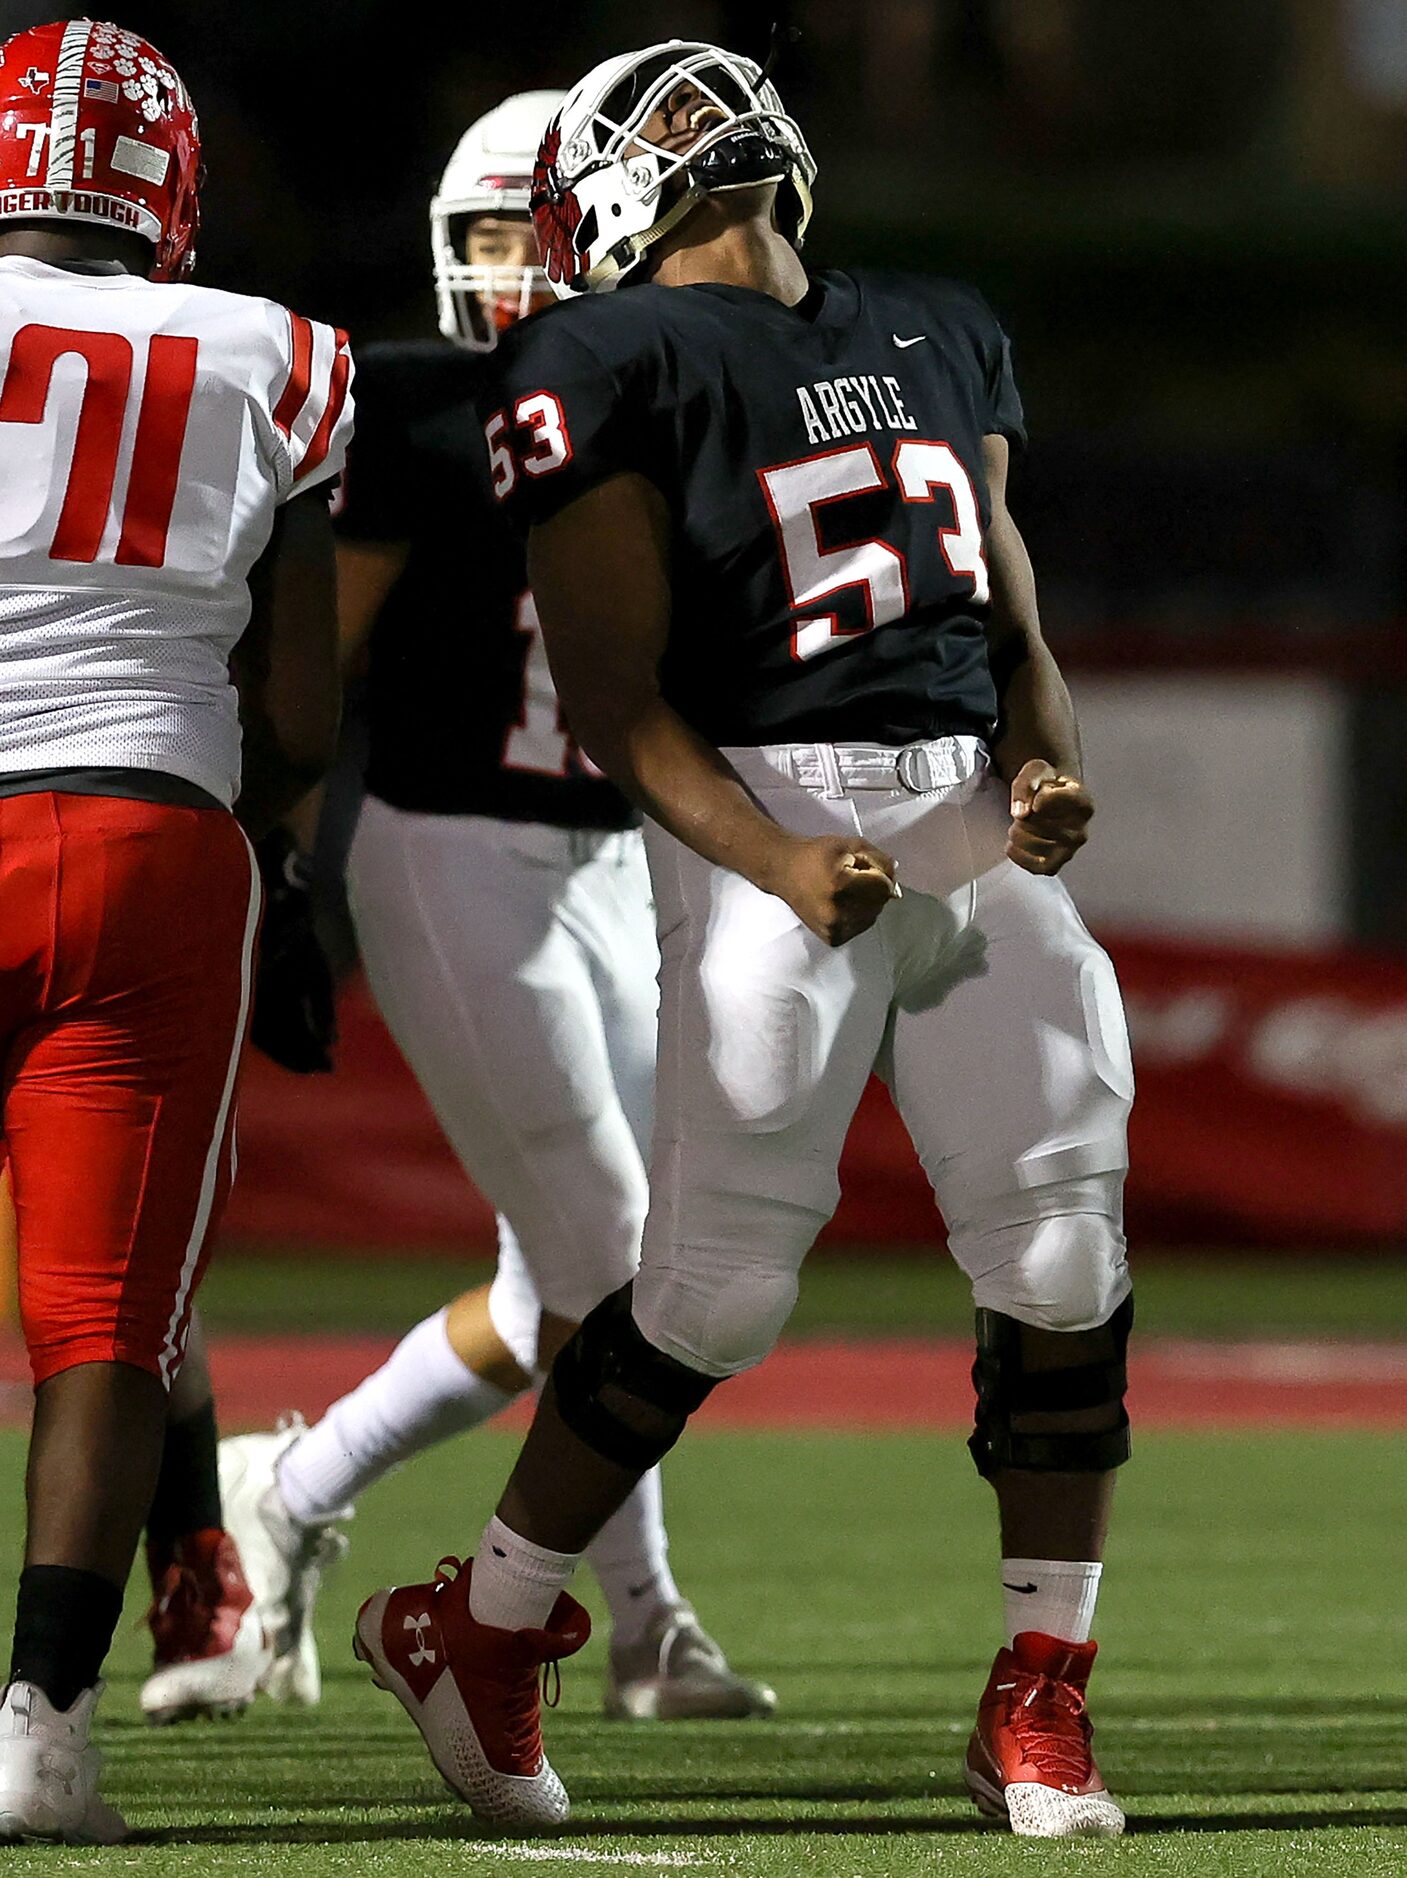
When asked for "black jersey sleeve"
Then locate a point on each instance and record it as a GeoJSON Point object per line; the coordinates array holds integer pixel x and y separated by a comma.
{"type": "Point", "coordinates": [1005, 415]}
{"type": "Point", "coordinates": [961, 314]}
{"type": "Point", "coordinates": [561, 416]}
{"type": "Point", "coordinates": [381, 493]}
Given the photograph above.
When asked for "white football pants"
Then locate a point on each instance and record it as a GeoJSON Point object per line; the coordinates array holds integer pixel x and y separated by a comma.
{"type": "Point", "coordinates": [515, 966]}
{"type": "Point", "coordinates": [979, 997]}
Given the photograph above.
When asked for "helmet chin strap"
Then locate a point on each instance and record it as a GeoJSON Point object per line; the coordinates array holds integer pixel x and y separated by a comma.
{"type": "Point", "coordinates": [635, 246]}
{"type": "Point", "coordinates": [706, 178]}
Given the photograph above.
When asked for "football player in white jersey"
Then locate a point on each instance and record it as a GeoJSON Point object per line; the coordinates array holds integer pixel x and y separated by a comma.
{"type": "Point", "coordinates": [502, 906]}
{"type": "Point", "coordinates": [155, 437]}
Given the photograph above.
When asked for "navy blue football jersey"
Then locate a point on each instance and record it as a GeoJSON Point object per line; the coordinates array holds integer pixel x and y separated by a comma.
{"type": "Point", "coordinates": [462, 717]}
{"type": "Point", "coordinates": [822, 465]}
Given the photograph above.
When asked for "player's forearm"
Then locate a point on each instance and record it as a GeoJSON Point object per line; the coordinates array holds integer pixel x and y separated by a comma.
{"type": "Point", "coordinates": [1037, 715]}
{"type": "Point", "coordinates": [688, 787]}
{"type": "Point", "coordinates": [302, 819]}
{"type": "Point", "coordinates": [278, 769]}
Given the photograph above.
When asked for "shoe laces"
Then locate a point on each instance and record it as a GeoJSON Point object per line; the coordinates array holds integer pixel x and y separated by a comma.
{"type": "Point", "coordinates": [683, 1637]}
{"type": "Point", "coordinates": [1049, 1721]}
{"type": "Point", "coordinates": [518, 1697]}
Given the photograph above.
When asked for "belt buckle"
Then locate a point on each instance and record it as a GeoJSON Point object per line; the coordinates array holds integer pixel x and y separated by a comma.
{"type": "Point", "coordinates": [906, 764]}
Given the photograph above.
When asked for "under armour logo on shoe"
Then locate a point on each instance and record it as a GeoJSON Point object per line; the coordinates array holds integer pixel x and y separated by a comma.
{"type": "Point", "coordinates": [419, 1625]}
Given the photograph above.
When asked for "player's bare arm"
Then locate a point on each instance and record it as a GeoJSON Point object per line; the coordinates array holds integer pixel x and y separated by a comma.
{"type": "Point", "coordinates": [605, 641]}
{"type": "Point", "coordinates": [366, 573]}
{"type": "Point", "coordinates": [1038, 752]}
{"type": "Point", "coordinates": [286, 666]}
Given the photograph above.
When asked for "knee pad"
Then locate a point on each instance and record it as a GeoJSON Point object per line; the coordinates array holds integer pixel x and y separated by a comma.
{"type": "Point", "coordinates": [624, 1398]}
{"type": "Point", "coordinates": [717, 1314]}
{"type": "Point", "coordinates": [1015, 1378]}
{"type": "Point", "coordinates": [1052, 1255]}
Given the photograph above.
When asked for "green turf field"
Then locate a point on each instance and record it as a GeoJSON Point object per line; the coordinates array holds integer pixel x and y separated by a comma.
{"type": "Point", "coordinates": [1252, 1703]}
{"type": "Point", "coordinates": [1191, 1295]}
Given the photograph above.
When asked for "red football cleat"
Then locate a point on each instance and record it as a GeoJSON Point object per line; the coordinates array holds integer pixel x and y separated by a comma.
{"type": "Point", "coordinates": [210, 1649]}
{"type": "Point", "coordinates": [1029, 1760]}
{"type": "Point", "coordinates": [472, 1691]}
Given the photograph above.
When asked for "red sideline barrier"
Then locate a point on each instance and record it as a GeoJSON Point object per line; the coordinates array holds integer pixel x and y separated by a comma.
{"type": "Point", "coordinates": [1272, 1093]}
{"type": "Point", "coordinates": [1272, 1106]}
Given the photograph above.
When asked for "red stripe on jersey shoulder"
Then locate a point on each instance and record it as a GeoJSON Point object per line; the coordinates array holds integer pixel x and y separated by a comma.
{"type": "Point", "coordinates": [321, 440]}
{"type": "Point", "coordinates": [295, 392]}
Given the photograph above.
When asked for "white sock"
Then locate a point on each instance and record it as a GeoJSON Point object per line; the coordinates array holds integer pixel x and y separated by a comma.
{"type": "Point", "coordinates": [1053, 1595]}
{"type": "Point", "coordinates": [515, 1583]}
{"type": "Point", "coordinates": [630, 1559]}
{"type": "Point", "coordinates": [423, 1393]}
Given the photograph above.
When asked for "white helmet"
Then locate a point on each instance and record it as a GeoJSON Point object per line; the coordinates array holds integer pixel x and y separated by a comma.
{"type": "Point", "coordinates": [490, 173]}
{"type": "Point", "coordinates": [599, 196]}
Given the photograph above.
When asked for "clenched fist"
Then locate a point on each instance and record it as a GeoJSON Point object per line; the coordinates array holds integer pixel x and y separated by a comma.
{"type": "Point", "coordinates": [836, 886]}
{"type": "Point", "coordinates": [1049, 816]}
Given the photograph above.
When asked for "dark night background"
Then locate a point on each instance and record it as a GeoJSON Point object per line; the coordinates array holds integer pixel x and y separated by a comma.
{"type": "Point", "coordinates": [1190, 219]}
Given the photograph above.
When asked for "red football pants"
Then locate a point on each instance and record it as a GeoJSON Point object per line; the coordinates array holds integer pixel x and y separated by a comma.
{"type": "Point", "coordinates": [126, 945]}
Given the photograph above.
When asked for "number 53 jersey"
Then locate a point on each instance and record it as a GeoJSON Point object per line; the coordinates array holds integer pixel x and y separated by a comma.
{"type": "Point", "coordinates": [822, 466]}
{"type": "Point", "coordinates": [148, 433]}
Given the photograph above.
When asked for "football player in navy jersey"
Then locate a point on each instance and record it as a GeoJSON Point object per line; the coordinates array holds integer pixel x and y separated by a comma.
{"type": "Point", "coordinates": [789, 613]}
{"type": "Point", "coordinates": [501, 900]}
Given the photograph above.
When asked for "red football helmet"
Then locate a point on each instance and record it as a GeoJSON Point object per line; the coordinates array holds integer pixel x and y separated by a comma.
{"type": "Point", "coordinates": [96, 126]}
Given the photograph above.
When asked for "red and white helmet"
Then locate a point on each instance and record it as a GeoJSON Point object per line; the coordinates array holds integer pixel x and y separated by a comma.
{"type": "Point", "coordinates": [602, 194]}
{"type": "Point", "coordinates": [490, 173]}
{"type": "Point", "coordinates": [96, 126]}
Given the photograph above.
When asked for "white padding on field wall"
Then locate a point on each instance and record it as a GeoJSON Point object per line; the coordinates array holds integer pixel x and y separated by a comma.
{"type": "Point", "coordinates": [1221, 807]}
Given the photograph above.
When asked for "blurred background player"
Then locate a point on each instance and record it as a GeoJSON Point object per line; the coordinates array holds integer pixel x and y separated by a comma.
{"type": "Point", "coordinates": [502, 909]}
{"type": "Point", "coordinates": [155, 436]}
{"type": "Point", "coordinates": [790, 613]}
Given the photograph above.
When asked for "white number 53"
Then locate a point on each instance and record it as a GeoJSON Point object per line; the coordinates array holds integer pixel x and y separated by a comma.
{"type": "Point", "coordinates": [796, 491]}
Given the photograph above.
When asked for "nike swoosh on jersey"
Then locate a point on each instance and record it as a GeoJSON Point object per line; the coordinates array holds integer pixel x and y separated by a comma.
{"type": "Point", "coordinates": [904, 344]}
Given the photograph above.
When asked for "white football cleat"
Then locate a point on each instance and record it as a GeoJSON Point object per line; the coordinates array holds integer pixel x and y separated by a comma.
{"type": "Point", "coordinates": [284, 1560]}
{"type": "Point", "coordinates": [676, 1672]}
{"type": "Point", "coordinates": [49, 1771]}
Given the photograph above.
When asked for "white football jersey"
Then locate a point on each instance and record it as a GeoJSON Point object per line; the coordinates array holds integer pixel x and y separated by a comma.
{"type": "Point", "coordinates": [148, 433]}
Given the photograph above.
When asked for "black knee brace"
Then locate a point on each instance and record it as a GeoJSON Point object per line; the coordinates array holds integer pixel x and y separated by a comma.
{"type": "Point", "coordinates": [624, 1398]}
{"type": "Point", "coordinates": [1007, 1388]}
